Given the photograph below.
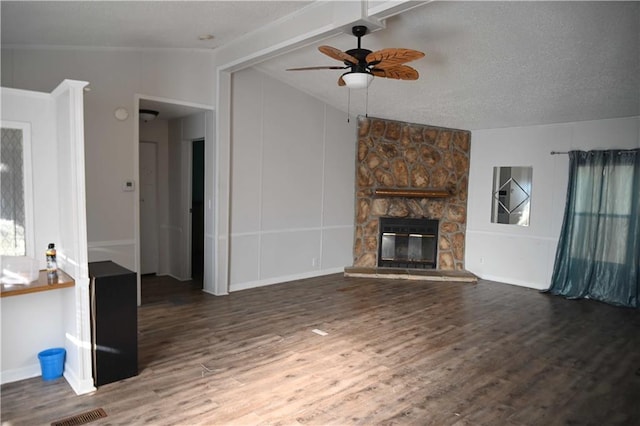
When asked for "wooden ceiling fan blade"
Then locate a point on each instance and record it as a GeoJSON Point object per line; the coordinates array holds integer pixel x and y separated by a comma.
{"type": "Point", "coordinates": [391, 57]}
{"type": "Point", "coordinates": [337, 54]}
{"type": "Point", "coordinates": [399, 72]}
{"type": "Point", "coordinates": [341, 81]}
{"type": "Point", "coordinates": [316, 68]}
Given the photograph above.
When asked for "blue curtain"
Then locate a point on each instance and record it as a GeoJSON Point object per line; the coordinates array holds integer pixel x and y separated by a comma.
{"type": "Point", "coordinates": [598, 255]}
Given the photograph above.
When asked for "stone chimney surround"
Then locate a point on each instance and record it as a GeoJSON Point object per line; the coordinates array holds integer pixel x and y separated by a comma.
{"type": "Point", "coordinates": [408, 170]}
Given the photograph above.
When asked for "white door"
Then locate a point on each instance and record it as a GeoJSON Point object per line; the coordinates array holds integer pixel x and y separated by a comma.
{"type": "Point", "coordinates": [148, 209]}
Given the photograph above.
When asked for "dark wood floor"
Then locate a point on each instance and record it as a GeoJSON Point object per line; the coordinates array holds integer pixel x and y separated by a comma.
{"type": "Point", "coordinates": [396, 352]}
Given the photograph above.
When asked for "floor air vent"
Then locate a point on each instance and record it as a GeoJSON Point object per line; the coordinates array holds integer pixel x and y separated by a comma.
{"type": "Point", "coordinates": [82, 418]}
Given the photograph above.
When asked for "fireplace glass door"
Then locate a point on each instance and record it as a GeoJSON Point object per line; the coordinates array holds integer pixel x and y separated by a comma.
{"type": "Point", "coordinates": [408, 243]}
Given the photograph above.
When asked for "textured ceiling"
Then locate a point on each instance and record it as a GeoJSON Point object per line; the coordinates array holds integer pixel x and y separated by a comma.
{"type": "Point", "coordinates": [487, 64]}
{"type": "Point", "coordinates": [494, 64]}
{"type": "Point", "coordinates": [136, 24]}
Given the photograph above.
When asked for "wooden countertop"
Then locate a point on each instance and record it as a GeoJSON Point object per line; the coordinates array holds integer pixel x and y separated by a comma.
{"type": "Point", "coordinates": [42, 284]}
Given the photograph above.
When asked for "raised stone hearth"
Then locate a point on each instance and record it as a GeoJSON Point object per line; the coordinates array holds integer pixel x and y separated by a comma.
{"type": "Point", "coordinates": [406, 170]}
{"type": "Point", "coordinates": [411, 274]}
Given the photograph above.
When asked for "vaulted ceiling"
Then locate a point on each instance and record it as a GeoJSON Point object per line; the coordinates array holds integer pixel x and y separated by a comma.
{"type": "Point", "coordinates": [487, 64]}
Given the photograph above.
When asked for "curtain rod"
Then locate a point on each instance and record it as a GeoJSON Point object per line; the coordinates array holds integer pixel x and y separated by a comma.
{"type": "Point", "coordinates": [619, 152]}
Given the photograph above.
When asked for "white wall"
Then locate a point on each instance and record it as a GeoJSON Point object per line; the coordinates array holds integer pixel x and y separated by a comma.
{"type": "Point", "coordinates": [525, 255]}
{"type": "Point", "coordinates": [34, 322]}
{"type": "Point", "coordinates": [115, 77]}
{"type": "Point", "coordinates": [292, 184]}
{"type": "Point", "coordinates": [25, 333]}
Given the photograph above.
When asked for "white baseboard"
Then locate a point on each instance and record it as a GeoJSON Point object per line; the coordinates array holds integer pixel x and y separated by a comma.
{"type": "Point", "coordinates": [173, 276]}
{"type": "Point", "coordinates": [17, 374]}
{"type": "Point", "coordinates": [283, 279]}
{"type": "Point", "coordinates": [521, 283]}
{"type": "Point", "coordinates": [80, 387]}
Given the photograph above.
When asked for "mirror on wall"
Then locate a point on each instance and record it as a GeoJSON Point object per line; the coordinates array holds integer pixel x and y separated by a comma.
{"type": "Point", "coordinates": [511, 197]}
{"type": "Point", "coordinates": [16, 212]}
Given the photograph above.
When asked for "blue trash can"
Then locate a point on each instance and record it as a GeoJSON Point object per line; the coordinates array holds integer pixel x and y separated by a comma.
{"type": "Point", "coordinates": [52, 363]}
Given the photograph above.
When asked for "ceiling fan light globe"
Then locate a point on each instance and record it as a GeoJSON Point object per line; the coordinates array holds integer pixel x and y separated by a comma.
{"type": "Point", "coordinates": [357, 80]}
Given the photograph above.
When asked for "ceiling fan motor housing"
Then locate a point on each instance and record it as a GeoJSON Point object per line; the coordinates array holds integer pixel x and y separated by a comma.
{"type": "Point", "coordinates": [361, 56]}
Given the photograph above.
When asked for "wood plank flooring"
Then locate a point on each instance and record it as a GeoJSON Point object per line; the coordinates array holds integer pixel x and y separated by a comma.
{"type": "Point", "coordinates": [396, 352]}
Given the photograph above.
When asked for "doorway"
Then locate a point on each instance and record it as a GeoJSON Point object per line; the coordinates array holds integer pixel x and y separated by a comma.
{"type": "Point", "coordinates": [197, 211]}
{"type": "Point", "coordinates": [180, 132]}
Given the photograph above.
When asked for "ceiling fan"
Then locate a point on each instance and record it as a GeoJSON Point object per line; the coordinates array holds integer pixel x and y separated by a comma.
{"type": "Point", "coordinates": [363, 64]}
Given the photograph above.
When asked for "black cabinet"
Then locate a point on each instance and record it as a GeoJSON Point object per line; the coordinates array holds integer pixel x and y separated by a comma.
{"type": "Point", "coordinates": [114, 322]}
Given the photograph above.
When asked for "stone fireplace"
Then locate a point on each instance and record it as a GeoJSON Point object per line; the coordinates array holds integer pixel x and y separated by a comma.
{"type": "Point", "coordinates": [411, 171]}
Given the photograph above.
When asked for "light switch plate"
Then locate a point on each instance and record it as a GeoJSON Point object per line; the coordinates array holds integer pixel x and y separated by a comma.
{"type": "Point", "coordinates": [129, 186]}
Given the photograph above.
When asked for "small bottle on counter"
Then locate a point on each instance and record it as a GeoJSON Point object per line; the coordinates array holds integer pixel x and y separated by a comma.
{"type": "Point", "coordinates": [52, 264]}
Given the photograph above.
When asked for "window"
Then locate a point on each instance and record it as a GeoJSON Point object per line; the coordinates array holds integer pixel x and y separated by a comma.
{"type": "Point", "coordinates": [605, 205]}
{"type": "Point", "coordinates": [16, 206]}
{"type": "Point", "coordinates": [598, 250]}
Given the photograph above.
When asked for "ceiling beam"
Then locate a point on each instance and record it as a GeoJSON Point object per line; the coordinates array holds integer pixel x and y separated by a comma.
{"type": "Point", "coordinates": [318, 21]}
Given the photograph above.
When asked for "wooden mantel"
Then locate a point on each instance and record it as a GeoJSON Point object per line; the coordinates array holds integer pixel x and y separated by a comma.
{"type": "Point", "coordinates": [412, 193]}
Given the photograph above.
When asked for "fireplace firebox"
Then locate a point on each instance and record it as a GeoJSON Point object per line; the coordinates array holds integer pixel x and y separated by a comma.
{"type": "Point", "coordinates": [408, 243]}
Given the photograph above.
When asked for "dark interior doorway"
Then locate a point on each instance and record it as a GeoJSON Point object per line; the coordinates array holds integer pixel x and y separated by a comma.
{"type": "Point", "coordinates": [197, 211]}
